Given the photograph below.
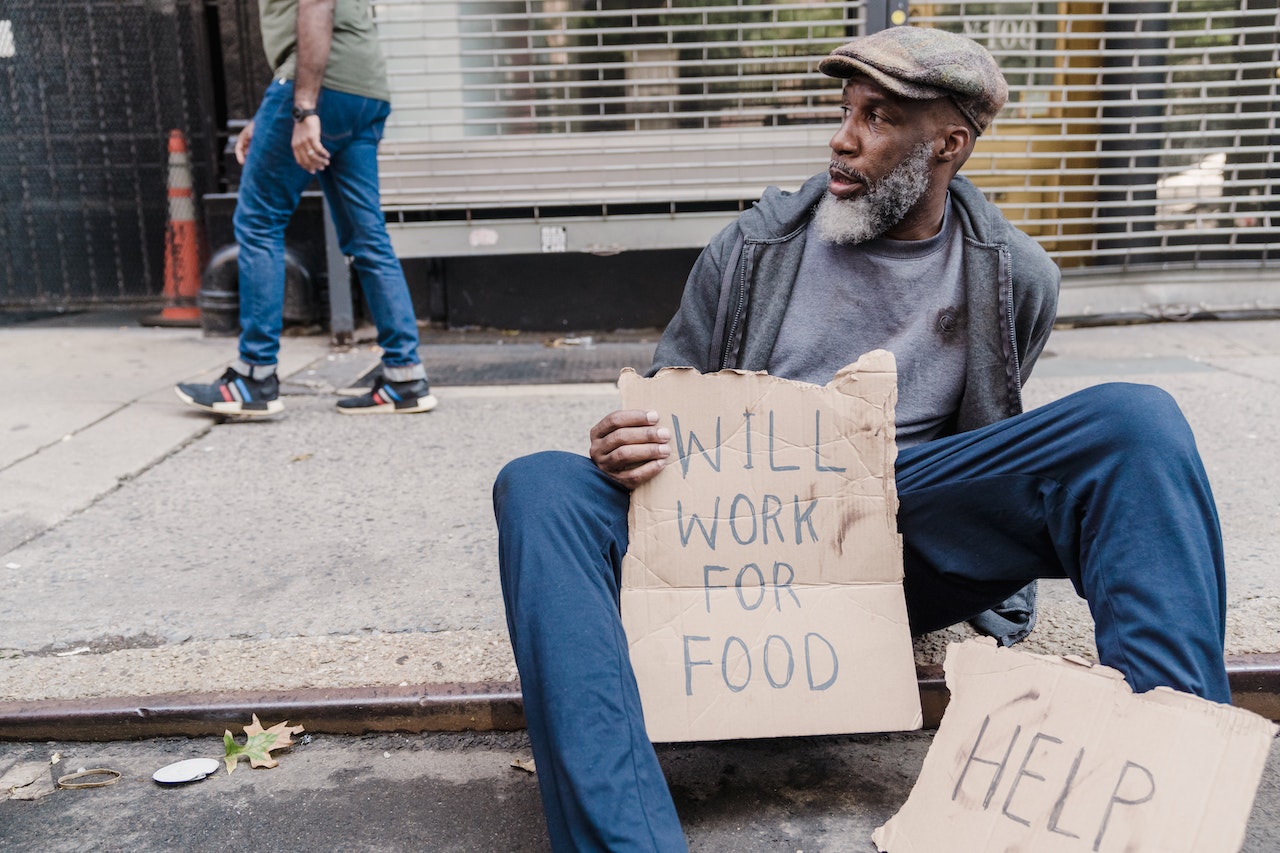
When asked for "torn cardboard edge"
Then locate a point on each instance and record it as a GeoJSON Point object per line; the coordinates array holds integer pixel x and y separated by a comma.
{"type": "Point", "coordinates": [1043, 754]}
{"type": "Point", "coordinates": [762, 589]}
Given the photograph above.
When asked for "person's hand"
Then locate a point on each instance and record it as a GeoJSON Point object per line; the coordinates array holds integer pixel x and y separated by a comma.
{"type": "Point", "coordinates": [307, 150]}
{"type": "Point", "coordinates": [629, 447]}
{"type": "Point", "coordinates": [242, 143]}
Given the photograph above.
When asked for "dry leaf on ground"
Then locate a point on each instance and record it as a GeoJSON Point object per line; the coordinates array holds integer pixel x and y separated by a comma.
{"type": "Point", "coordinates": [259, 744]}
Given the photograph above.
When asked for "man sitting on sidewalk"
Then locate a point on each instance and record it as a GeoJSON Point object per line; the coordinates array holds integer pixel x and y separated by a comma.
{"type": "Point", "coordinates": [322, 113]}
{"type": "Point", "coordinates": [887, 249]}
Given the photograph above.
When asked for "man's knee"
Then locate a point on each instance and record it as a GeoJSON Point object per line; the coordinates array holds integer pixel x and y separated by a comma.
{"type": "Point", "coordinates": [1132, 418]}
{"type": "Point", "coordinates": [258, 225]}
{"type": "Point", "coordinates": [534, 481]}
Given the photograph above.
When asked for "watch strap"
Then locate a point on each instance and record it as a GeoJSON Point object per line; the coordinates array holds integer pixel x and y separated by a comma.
{"type": "Point", "coordinates": [300, 114]}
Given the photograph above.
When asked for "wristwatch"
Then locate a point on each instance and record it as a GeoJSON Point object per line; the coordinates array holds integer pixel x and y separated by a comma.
{"type": "Point", "coordinates": [299, 114]}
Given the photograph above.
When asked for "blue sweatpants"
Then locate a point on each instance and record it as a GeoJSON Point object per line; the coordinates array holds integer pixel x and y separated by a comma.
{"type": "Point", "coordinates": [1104, 487]}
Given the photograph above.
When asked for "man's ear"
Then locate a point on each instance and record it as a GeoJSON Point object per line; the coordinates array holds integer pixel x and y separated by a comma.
{"type": "Point", "coordinates": [955, 143]}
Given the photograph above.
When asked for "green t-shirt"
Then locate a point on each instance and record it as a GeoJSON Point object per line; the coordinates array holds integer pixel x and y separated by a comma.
{"type": "Point", "coordinates": [356, 65]}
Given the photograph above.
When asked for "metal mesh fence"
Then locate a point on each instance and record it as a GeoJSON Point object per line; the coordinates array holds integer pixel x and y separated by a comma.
{"type": "Point", "coordinates": [89, 91]}
{"type": "Point", "coordinates": [545, 103]}
{"type": "Point", "coordinates": [1139, 135]}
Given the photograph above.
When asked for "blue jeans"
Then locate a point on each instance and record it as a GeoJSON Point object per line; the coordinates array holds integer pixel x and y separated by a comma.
{"type": "Point", "coordinates": [270, 189]}
{"type": "Point", "coordinates": [1104, 487]}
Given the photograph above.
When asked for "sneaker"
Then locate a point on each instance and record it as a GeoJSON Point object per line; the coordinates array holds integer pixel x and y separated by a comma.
{"type": "Point", "coordinates": [235, 394]}
{"type": "Point", "coordinates": [391, 398]}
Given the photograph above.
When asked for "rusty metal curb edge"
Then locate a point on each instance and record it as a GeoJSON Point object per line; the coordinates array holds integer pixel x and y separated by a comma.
{"type": "Point", "coordinates": [481, 706]}
{"type": "Point", "coordinates": [486, 706]}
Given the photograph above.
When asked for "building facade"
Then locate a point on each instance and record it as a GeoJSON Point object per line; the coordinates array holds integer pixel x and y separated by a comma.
{"type": "Point", "coordinates": [557, 163]}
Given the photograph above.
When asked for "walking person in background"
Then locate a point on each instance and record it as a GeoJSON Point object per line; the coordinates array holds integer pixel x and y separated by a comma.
{"type": "Point", "coordinates": [322, 116]}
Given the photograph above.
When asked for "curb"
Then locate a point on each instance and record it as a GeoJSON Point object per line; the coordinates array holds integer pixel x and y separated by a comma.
{"type": "Point", "coordinates": [481, 706]}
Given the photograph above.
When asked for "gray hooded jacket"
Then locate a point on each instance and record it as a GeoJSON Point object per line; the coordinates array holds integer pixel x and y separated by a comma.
{"type": "Point", "coordinates": [737, 292]}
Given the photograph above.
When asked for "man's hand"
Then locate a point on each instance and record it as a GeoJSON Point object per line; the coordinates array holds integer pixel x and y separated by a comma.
{"type": "Point", "coordinates": [242, 143]}
{"type": "Point", "coordinates": [315, 37]}
{"type": "Point", "coordinates": [628, 447]}
{"type": "Point", "coordinates": [307, 150]}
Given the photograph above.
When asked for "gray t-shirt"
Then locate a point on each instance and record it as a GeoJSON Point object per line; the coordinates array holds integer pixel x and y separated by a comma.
{"type": "Point", "coordinates": [905, 296]}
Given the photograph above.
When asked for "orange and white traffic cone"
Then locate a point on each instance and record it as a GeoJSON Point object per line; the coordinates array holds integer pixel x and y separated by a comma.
{"type": "Point", "coordinates": [183, 248]}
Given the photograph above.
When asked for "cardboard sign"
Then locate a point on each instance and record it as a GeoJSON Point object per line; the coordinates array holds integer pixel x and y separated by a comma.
{"type": "Point", "coordinates": [762, 590]}
{"type": "Point", "coordinates": [1048, 755]}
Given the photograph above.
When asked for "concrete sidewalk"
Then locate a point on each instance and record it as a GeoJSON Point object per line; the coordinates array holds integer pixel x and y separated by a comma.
{"type": "Point", "coordinates": [459, 793]}
{"type": "Point", "coordinates": [149, 551]}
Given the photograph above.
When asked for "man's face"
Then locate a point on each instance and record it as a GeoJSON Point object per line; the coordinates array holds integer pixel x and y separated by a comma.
{"type": "Point", "coordinates": [881, 164]}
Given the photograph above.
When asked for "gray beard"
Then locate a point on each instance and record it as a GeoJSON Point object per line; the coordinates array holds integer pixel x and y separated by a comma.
{"type": "Point", "coordinates": [849, 221]}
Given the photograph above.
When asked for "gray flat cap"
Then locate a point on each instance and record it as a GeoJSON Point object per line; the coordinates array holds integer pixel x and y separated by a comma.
{"type": "Point", "coordinates": [923, 64]}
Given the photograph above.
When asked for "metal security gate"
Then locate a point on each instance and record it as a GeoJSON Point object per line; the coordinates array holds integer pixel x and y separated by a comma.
{"type": "Point", "coordinates": [605, 125]}
{"type": "Point", "coordinates": [1139, 144]}
{"type": "Point", "coordinates": [89, 91]}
